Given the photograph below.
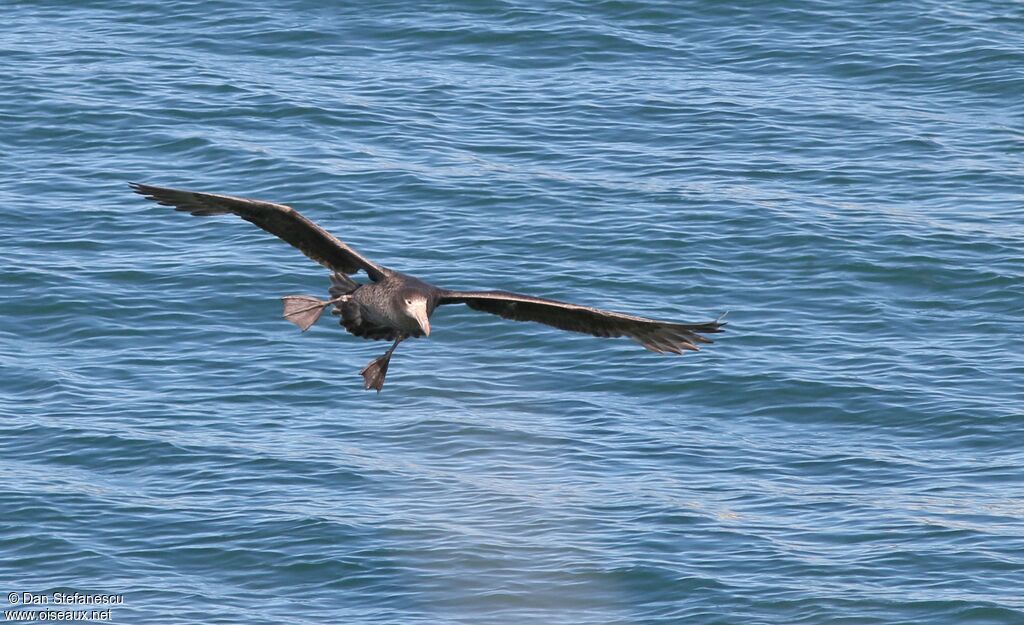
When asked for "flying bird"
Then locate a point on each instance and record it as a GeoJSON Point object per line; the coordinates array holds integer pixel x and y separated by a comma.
{"type": "Point", "coordinates": [395, 306]}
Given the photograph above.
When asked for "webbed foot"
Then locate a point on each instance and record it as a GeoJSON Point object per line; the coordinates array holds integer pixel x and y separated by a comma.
{"type": "Point", "coordinates": [304, 310]}
{"type": "Point", "coordinates": [373, 373]}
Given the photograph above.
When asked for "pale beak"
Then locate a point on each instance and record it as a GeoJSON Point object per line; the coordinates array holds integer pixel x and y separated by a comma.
{"type": "Point", "coordinates": [420, 314]}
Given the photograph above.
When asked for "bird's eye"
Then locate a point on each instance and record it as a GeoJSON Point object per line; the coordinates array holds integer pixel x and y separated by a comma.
{"type": "Point", "coordinates": [408, 302]}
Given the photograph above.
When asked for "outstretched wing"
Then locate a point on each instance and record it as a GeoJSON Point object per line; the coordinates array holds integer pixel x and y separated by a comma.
{"type": "Point", "coordinates": [277, 219]}
{"type": "Point", "coordinates": [657, 336]}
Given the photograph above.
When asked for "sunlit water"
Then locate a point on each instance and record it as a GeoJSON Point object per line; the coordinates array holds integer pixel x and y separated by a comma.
{"type": "Point", "coordinates": [844, 178]}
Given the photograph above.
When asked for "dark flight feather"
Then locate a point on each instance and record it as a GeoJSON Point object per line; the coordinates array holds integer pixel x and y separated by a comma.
{"type": "Point", "coordinates": [657, 336]}
{"type": "Point", "coordinates": [283, 221]}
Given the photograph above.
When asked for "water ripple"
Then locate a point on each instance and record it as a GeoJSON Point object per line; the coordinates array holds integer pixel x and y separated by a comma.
{"type": "Point", "coordinates": [844, 179]}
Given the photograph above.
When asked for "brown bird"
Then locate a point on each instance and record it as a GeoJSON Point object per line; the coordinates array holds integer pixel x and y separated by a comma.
{"type": "Point", "coordinates": [395, 306]}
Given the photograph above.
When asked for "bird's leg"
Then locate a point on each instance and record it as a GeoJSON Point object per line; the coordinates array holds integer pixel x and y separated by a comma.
{"type": "Point", "coordinates": [303, 310]}
{"type": "Point", "coordinates": [373, 373]}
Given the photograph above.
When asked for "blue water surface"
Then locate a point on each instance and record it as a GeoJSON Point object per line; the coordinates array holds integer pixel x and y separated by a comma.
{"type": "Point", "coordinates": [844, 178]}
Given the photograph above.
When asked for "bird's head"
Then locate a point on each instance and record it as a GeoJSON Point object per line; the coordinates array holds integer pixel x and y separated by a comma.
{"type": "Point", "coordinates": [417, 307]}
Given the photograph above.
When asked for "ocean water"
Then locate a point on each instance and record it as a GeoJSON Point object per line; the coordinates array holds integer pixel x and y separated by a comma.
{"type": "Point", "coordinates": [844, 178]}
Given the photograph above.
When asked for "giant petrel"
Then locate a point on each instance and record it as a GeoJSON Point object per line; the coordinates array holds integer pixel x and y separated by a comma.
{"type": "Point", "coordinates": [395, 306]}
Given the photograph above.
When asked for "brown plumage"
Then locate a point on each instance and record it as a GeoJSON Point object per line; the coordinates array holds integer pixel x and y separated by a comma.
{"type": "Point", "coordinates": [277, 219]}
{"type": "Point", "coordinates": [657, 336]}
{"type": "Point", "coordinates": [395, 306]}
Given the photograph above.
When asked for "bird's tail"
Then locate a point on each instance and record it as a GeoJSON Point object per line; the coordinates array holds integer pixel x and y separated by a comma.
{"type": "Point", "coordinates": [342, 285]}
